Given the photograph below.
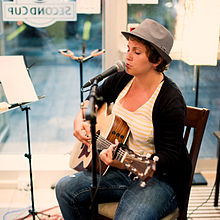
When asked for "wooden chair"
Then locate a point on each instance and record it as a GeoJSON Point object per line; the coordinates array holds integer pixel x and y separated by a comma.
{"type": "Point", "coordinates": [196, 118]}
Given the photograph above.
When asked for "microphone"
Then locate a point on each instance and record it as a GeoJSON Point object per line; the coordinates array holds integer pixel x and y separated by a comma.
{"type": "Point", "coordinates": [119, 66]}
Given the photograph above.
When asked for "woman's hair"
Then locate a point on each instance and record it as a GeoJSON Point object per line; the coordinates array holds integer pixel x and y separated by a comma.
{"type": "Point", "coordinates": [152, 54]}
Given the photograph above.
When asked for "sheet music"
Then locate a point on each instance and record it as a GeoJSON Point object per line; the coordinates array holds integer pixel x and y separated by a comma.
{"type": "Point", "coordinates": [15, 80]}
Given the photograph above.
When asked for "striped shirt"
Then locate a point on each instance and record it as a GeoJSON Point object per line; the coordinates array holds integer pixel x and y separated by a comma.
{"type": "Point", "coordinates": [141, 138]}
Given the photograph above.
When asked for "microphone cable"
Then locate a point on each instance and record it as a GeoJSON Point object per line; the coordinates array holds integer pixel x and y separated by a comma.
{"type": "Point", "coordinates": [203, 203]}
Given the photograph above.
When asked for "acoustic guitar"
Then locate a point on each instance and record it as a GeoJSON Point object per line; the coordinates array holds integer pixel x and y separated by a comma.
{"type": "Point", "coordinates": [110, 127]}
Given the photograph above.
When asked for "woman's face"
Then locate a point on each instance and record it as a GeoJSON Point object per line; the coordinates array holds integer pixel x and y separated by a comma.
{"type": "Point", "coordinates": [137, 61]}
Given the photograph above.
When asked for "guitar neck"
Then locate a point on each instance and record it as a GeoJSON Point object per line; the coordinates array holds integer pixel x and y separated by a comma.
{"type": "Point", "coordinates": [119, 153]}
{"type": "Point", "coordinates": [135, 163]}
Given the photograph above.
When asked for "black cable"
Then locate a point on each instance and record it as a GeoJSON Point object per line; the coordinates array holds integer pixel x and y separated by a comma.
{"type": "Point", "coordinates": [203, 203]}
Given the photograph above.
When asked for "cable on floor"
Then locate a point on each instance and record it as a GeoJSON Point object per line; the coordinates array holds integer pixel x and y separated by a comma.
{"type": "Point", "coordinates": [203, 203]}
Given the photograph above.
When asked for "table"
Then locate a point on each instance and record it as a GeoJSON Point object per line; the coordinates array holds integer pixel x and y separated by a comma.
{"type": "Point", "coordinates": [217, 180]}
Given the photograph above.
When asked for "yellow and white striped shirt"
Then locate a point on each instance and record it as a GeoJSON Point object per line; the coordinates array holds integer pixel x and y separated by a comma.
{"type": "Point", "coordinates": [141, 138]}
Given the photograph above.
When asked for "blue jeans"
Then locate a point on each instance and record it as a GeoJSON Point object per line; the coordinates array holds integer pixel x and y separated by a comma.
{"type": "Point", "coordinates": [154, 201]}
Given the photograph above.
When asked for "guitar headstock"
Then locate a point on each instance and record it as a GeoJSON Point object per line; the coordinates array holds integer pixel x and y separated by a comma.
{"type": "Point", "coordinates": [141, 166]}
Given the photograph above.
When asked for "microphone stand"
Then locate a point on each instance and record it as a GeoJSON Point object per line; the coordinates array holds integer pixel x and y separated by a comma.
{"type": "Point", "coordinates": [91, 116]}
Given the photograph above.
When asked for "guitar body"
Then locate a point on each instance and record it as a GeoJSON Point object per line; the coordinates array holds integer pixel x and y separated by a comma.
{"type": "Point", "coordinates": [109, 127]}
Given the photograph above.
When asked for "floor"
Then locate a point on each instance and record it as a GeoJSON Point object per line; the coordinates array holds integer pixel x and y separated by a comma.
{"type": "Point", "coordinates": [201, 203]}
{"type": "Point", "coordinates": [16, 203]}
{"type": "Point", "coordinates": [15, 199]}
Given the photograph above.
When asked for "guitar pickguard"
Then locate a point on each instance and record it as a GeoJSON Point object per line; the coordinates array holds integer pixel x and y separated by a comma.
{"type": "Point", "coordinates": [84, 151]}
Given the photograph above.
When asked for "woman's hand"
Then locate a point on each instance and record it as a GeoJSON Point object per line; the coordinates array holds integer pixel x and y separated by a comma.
{"type": "Point", "coordinates": [81, 128]}
{"type": "Point", "coordinates": [106, 156]}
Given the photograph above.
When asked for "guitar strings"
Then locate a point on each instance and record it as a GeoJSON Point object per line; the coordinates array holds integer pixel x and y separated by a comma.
{"type": "Point", "coordinates": [120, 154]}
{"type": "Point", "coordinates": [101, 140]}
{"type": "Point", "coordinates": [104, 142]}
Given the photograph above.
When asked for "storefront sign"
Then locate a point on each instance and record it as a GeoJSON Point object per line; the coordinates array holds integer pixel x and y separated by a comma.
{"type": "Point", "coordinates": [39, 13]}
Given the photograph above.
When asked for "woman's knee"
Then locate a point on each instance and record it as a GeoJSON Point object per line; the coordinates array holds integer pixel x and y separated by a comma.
{"type": "Point", "coordinates": [72, 186]}
{"type": "Point", "coordinates": [61, 187]}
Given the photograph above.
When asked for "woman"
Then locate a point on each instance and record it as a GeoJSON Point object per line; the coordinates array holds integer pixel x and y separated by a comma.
{"type": "Point", "coordinates": [154, 109]}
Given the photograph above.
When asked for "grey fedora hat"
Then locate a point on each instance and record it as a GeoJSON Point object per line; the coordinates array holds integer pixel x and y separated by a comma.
{"type": "Point", "coordinates": [156, 34]}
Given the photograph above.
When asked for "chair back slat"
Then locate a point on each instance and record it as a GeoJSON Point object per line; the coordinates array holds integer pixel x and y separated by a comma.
{"type": "Point", "coordinates": [196, 118]}
{"type": "Point", "coordinates": [186, 134]}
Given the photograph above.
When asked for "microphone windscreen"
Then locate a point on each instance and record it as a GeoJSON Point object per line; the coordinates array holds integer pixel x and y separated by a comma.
{"type": "Point", "coordinates": [120, 65]}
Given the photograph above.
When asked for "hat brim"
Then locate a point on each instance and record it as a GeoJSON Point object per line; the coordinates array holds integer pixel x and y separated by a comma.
{"type": "Point", "coordinates": [165, 56]}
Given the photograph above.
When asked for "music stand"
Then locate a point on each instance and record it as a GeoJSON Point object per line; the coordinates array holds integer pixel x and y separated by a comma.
{"type": "Point", "coordinates": [19, 92]}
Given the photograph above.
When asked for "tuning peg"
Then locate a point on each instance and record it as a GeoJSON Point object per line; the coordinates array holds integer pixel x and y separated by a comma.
{"type": "Point", "coordinates": [132, 155]}
{"type": "Point", "coordinates": [143, 184]}
{"type": "Point", "coordinates": [155, 158]}
{"type": "Point", "coordinates": [148, 155]}
{"type": "Point", "coordinates": [141, 174]}
{"type": "Point", "coordinates": [127, 165]}
{"type": "Point", "coordinates": [135, 178]}
{"type": "Point", "coordinates": [147, 162]}
{"type": "Point", "coordinates": [133, 169]}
